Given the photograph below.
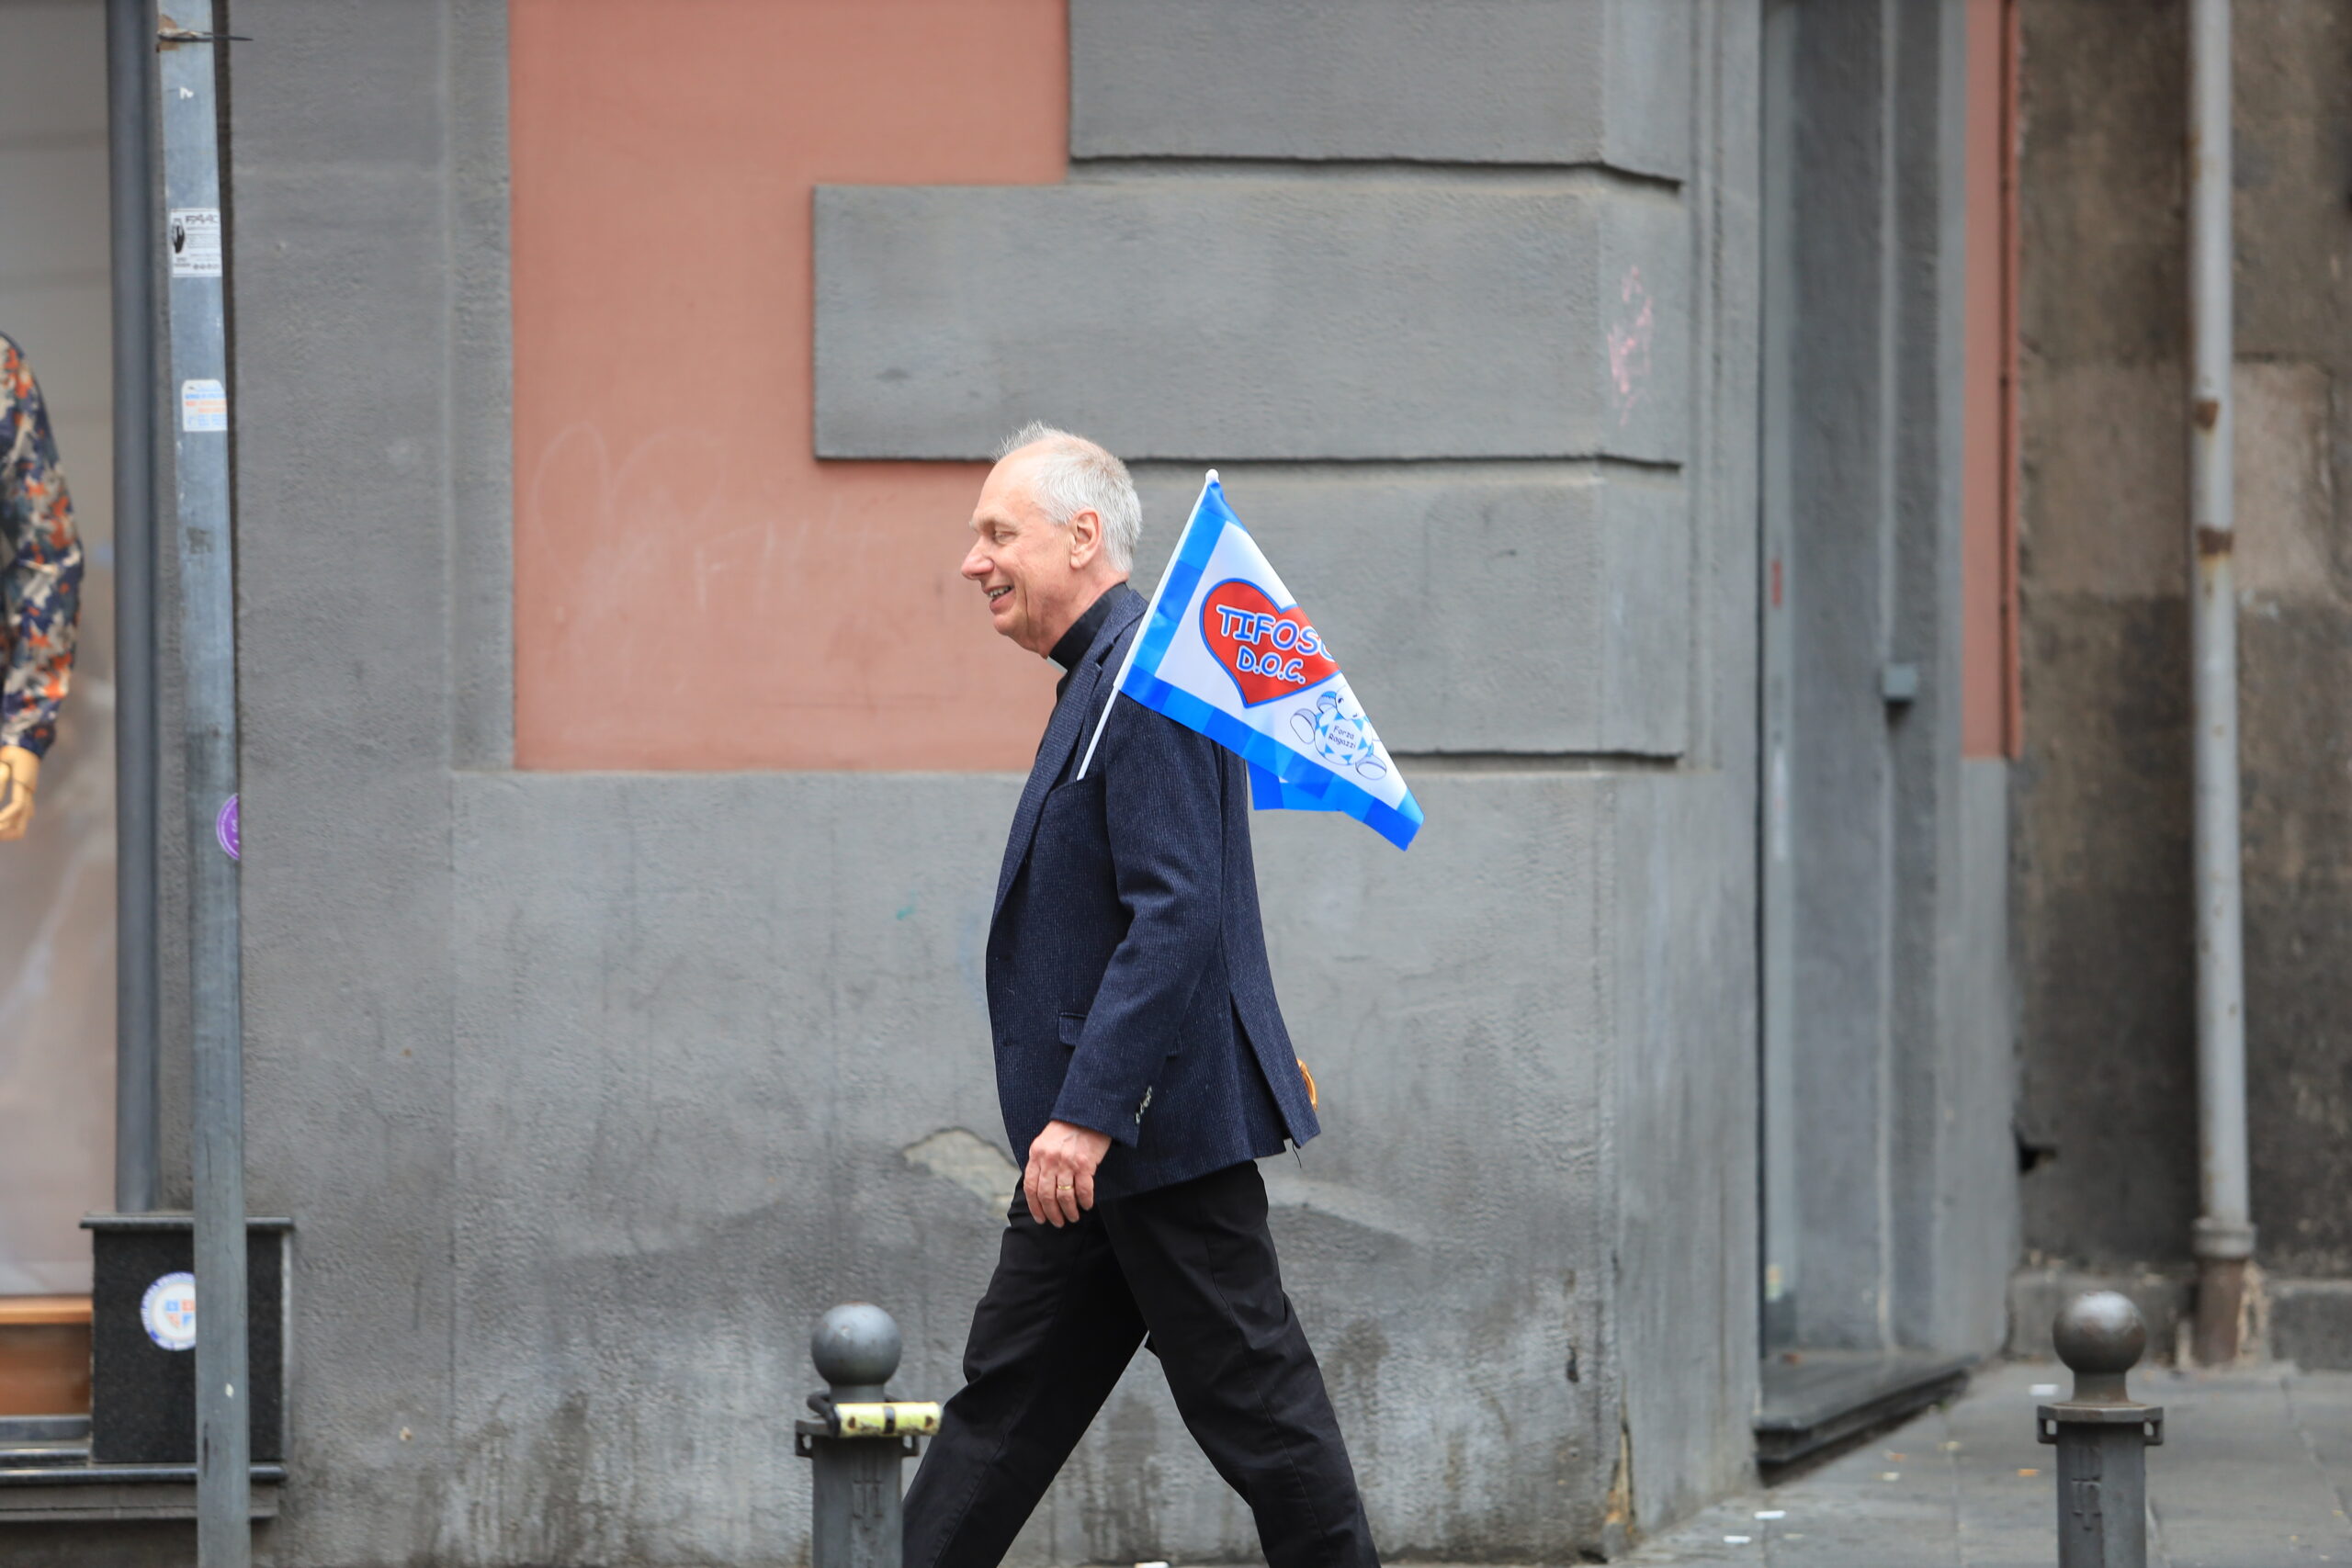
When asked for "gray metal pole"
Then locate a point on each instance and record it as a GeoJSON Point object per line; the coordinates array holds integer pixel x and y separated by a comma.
{"type": "Point", "coordinates": [2224, 1239]}
{"type": "Point", "coordinates": [205, 536]}
{"type": "Point", "coordinates": [130, 109]}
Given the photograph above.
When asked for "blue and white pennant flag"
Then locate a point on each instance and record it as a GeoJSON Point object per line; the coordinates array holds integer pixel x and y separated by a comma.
{"type": "Point", "coordinates": [1224, 649]}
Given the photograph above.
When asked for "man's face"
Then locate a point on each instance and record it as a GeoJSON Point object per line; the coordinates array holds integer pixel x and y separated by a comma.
{"type": "Point", "coordinates": [1023, 561]}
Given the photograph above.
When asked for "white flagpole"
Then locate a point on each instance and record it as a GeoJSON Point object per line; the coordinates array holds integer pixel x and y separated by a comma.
{"type": "Point", "coordinates": [1137, 641]}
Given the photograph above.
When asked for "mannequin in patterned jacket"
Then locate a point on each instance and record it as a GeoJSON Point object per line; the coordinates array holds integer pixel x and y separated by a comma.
{"type": "Point", "coordinates": [41, 588]}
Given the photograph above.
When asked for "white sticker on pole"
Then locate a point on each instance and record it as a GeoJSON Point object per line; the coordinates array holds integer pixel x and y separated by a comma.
{"type": "Point", "coordinates": [204, 405]}
{"type": "Point", "coordinates": [168, 1311]}
{"type": "Point", "coordinates": [195, 242]}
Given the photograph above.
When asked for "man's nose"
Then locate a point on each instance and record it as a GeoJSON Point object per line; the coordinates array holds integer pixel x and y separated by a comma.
{"type": "Point", "coordinates": [976, 564]}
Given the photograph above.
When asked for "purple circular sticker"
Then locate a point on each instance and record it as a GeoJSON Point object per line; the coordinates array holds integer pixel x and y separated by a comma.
{"type": "Point", "coordinates": [224, 827]}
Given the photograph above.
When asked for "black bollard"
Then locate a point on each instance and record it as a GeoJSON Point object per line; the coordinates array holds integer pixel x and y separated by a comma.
{"type": "Point", "coordinates": [2102, 1434]}
{"type": "Point", "coordinates": [858, 1439]}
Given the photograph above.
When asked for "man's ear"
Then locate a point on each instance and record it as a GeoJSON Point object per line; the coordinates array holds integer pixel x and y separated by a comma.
{"type": "Point", "coordinates": [1085, 537]}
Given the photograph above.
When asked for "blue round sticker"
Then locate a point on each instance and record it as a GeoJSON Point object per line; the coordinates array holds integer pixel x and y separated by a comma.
{"type": "Point", "coordinates": [168, 1311]}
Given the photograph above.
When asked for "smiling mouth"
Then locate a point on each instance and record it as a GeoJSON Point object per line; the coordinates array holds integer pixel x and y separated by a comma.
{"type": "Point", "coordinates": [998, 595]}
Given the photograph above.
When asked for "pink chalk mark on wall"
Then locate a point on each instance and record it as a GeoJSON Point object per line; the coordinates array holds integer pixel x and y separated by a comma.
{"type": "Point", "coordinates": [1629, 345]}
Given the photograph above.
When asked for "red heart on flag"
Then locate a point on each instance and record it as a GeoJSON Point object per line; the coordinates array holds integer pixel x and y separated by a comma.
{"type": "Point", "coordinates": [1268, 652]}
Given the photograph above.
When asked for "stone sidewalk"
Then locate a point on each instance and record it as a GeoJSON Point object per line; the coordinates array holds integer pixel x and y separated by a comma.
{"type": "Point", "coordinates": [2254, 1473]}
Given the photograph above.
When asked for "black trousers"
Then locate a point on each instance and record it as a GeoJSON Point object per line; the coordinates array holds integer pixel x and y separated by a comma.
{"type": "Point", "coordinates": [1193, 1266]}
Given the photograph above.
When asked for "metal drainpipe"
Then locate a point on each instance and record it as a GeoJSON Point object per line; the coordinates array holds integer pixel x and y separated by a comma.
{"type": "Point", "coordinates": [130, 170]}
{"type": "Point", "coordinates": [2224, 1239]}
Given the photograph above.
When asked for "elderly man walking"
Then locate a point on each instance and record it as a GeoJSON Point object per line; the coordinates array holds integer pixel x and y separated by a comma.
{"type": "Point", "coordinates": [1142, 1066]}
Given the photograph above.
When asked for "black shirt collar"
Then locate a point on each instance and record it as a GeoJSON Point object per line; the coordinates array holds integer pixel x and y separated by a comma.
{"type": "Point", "coordinates": [1080, 635]}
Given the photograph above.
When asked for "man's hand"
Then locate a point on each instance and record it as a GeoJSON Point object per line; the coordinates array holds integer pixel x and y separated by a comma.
{"type": "Point", "coordinates": [20, 773]}
{"type": "Point", "coordinates": [1060, 1181]}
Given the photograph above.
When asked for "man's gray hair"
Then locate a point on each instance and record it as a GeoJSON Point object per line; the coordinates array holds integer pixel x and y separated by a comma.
{"type": "Point", "coordinates": [1074, 475]}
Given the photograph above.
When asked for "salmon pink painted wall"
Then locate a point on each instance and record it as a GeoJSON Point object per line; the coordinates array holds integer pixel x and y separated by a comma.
{"type": "Point", "coordinates": [1988, 470]}
{"type": "Point", "coordinates": [693, 589]}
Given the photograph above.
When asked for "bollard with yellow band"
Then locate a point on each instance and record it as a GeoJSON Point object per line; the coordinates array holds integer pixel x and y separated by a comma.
{"type": "Point", "coordinates": [858, 1439]}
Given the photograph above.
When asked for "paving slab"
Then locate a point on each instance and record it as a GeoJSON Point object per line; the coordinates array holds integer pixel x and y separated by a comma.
{"type": "Point", "coordinates": [2323, 1413]}
{"type": "Point", "coordinates": [2254, 1472]}
{"type": "Point", "coordinates": [2236, 1481]}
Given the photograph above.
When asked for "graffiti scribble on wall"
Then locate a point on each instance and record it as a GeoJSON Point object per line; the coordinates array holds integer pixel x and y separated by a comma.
{"type": "Point", "coordinates": [1629, 345]}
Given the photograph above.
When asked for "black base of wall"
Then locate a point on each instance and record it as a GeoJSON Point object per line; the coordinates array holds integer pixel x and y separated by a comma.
{"type": "Point", "coordinates": [117, 1545]}
{"type": "Point", "coordinates": [142, 1396]}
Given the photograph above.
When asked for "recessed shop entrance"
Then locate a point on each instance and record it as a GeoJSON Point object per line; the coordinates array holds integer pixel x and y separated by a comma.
{"type": "Point", "coordinates": [1885, 1040]}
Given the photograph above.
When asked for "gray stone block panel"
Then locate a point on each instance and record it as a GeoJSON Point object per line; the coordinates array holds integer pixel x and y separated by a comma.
{"type": "Point", "coordinates": [1479, 609]}
{"type": "Point", "coordinates": [2165, 1296]}
{"type": "Point", "coordinates": [1232, 319]}
{"type": "Point", "coordinates": [711, 1031]}
{"type": "Point", "coordinates": [2311, 1323]}
{"type": "Point", "coordinates": [1599, 81]}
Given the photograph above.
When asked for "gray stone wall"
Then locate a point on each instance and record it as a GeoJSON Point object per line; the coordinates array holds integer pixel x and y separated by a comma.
{"type": "Point", "coordinates": [2102, 804]}
{"type": "Point", "coordinates": [1484, 392]}
{"type": "Point", "coordinates": [368, 168]}
{"type": "Point", "coordinates": [587, 1092]}
{"type": "Point", "coordinates": [1487, 81]}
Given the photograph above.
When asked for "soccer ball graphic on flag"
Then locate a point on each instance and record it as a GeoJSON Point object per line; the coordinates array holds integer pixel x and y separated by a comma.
{"type": "Point", "coordinates": [1342, 739]}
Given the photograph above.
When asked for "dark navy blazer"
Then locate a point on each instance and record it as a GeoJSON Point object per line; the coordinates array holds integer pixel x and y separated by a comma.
{"type": "Point", "coordinates": [1128, 990]}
